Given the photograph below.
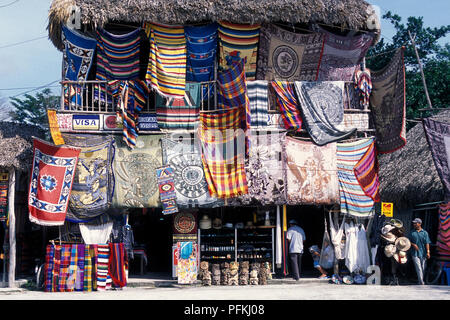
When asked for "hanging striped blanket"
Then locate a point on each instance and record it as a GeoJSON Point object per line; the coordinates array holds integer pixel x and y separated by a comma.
{"type": "Point", "coordinates": [116, 266]}
{"type": "Point", "coordinates": [56, 268]}
{"type": "Point", "coordinates": [443, 236]}
{"type": "Point", "coordinates": [102, 267]}
{"type": "Point", "coordinates": [223, 152]}
{"type": "Point", "coordinates": [201, 43]}
{"type": "Point", "coordinates": [72, 272]}
{"type": "Point", "coordinates": [288, 105]}
{"type": "Point", "coordinates": [166, 71]}
{"type": "Point", "coordinates": [341, 55]}
{"type": "Point", "coordinates": [79, 281]}
{"type": "Point", "coordinates": [239, 42]}
{"type": "Point", "coordinates": [353, 199]}
{"type": "Point", "coordinates": [90, 268]}
{"type": "Point", "coordinates": [64, 280]}
{"type": "Point", "coordinates": [179, 113]}
{"type": "Point", "coordinates": [257, 92]}
{"type": "Point", "coordinates": [118, 55]}
{"type": "Point", "coordinates": [232, 91]}
{"type": "Point", "coordinates": [388, 104]}
{"type": "Point", "coordinates": [366, 172]}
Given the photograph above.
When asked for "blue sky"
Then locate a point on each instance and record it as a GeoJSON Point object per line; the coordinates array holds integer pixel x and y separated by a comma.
{"type": "Point", "coordinates": [36, 63]}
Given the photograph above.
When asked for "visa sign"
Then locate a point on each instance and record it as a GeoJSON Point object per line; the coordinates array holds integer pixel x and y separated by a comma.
{"type": "Point", "coordinates": [86, 122]}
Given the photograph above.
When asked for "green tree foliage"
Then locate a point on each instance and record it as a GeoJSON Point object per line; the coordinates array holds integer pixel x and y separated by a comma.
{"type": "Point", "coordinates": [435, 60]}
{"type": "Point", "coordinates": [33, 109]}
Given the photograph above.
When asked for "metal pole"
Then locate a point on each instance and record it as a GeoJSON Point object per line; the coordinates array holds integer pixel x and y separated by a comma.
{"type": "Point", "coordinates": [12, 228]}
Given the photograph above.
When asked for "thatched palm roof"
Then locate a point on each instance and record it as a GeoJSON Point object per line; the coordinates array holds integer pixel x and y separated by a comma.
{"type": "Point", "coordinates": [408, 176]}
{"type": "Point", "coordinates": [16, 145]}
{"type": "Point", "coordinates": [96, 13]}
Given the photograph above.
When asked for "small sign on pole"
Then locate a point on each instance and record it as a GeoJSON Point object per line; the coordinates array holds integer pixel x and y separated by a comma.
{"type": "Point", "coordinates": [387, 208]}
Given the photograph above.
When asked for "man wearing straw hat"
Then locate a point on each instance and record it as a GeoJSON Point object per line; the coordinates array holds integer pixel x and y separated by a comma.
{"type": "Point", "coordinates": [420, 242]}
{"type": "Point", "coordinates": [295, 236]}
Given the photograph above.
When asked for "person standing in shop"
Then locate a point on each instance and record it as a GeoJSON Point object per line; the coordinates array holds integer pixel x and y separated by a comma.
{"type": "Point", "coordinates": [295, 236]}
{"type": "Point", "coordinates": [420, 241]}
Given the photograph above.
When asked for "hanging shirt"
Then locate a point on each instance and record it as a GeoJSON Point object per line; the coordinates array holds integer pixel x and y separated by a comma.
{"type": "Point", "coordinates": [296, 235]}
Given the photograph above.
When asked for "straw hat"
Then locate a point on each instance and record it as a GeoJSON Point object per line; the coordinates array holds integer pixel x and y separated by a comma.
{"type": "Point", "coordinates": [396, 223]}
{"type": "Point", "coordinates": [400, 257]}
{"type": "Point", "coordinates": [205, 222]}
{"type": "Point", "coordinates": [387, 228]}
{"type": "Point", "coordinates": [389, 250]}
{"type": "Point", "coordinates": [403, 244]}
{"type": "Point", "coordinates": [389, 237]}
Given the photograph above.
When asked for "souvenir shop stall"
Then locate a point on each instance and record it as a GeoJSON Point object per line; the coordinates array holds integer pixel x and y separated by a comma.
{"type": "Point", "coordinates": [217, 132]}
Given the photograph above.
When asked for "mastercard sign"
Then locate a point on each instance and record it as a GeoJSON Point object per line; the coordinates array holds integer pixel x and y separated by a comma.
{"type": "Point", "coordinates": [387, 208]}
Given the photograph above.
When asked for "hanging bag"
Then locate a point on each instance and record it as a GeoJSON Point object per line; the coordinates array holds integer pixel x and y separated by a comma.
{"type": "Point", "coordinates": [326, 260]}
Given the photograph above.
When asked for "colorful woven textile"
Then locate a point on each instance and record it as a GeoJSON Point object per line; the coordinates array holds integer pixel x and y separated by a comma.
{"type": "Point", "coordinates": [265, 170]}
{"type": "Point", "coordinates": [354, 201]}
{"type": "Point", "coordinates": [388, 104]}
{"type": "Point", "coordinates": [79, 281]}
{"type": "Point", "coordinates": [289, 56]}
{"type": "Point", "coordinates": [190, 185]}
{"type": "Point", "coordinates": [201, 43]}
{"type": "Point", "coordinates": [288, 105]}
{"type": "Point", "coordinates": [134, 170]}
{"type": "Point", "coordinates": [223, 153]}
{"type": "Point", "coordinates": [64, 282]}
{"type": "Point", "coordinates": [341, 55]}
{"type": "Point", "coordinates": [438, 137]}
{"type": "Point", "coordinates": [322, 106]}
{"type": "Point", "coordinates": [167, 194]}
{"type": "Point", "coordinates": [179, 113]}
{"type": "Point", "coordinates": [258, 97]}
{"type": "Point", "coordinates": [49, 265]}
{"type": "Point", "coordinates": [102, 266]}
{"type": "Point", "coordinates": [93, 184]}
{"type": "Point", "coordinates": [311, 173]}
{"type": "Point", "coordinates": [90, 268]}
{"type": "Point", "coordinates": [232, 91]}
{"type": "Point", "coordinates": [239, 42]}
{"type": "Point", "coordinates": [116, 267]}
{"type": "Point", "coordinates": [4, 186]}
{"type": "Point", "coordinates": [443, 236]}
{"type": "Point", "coordinates": [56, 268]}
{"type": "Point", "coordinates": [366, 172]}
{"type": "Point", "coordinates": [52, 179]}
{"type": "Point", "coordinates": [118, 55]}
{"type": "Point", "coordinates": [78, 54]}
{"type": "Point", "coordinates": [363, 86]}
{"type": "Point", "coordinates": [187, 267]}
{"type": "Point", "coordinates": [166, 71]}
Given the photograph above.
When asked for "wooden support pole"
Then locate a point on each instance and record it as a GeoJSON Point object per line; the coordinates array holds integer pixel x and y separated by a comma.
{"type": "Point", "coordinates": [421, 69]}
{"type": "Point", "coordinates": [12, 228]}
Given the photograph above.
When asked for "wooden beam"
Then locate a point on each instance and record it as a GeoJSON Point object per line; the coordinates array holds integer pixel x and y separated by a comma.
{"type": "Point", "coordinates": [12, 228]}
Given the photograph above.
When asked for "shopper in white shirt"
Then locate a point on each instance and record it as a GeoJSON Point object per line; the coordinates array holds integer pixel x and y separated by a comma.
{"type": "Point", "coordinates": [295, 236]}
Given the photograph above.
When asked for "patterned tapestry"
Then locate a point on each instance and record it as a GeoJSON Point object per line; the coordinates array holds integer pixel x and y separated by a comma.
{"type": "Point", "coordinates": [289, 56]}
{"type": "Point", "coordinates": [52, 181]}
{"type": "Point", "coordinates": [443, 236]}
{"type": "Point", "coordinates": [201, 42]}
{"type": "Point", "coordinates": [438, 137]}
{"type": "Point", "coordinates": [135, 173]}
{"type": "Point", "coordinates": [322, 105]}
{"type": "Point", "coordinates": [93, 184]}
{"type": "Point", "coordinates": [258, 96]}
{"type": "Point", "coordinates": [341, 55]}
{"type": "Point", "coordinates": [238, 42]}
{"type": "Point", "coordinates": [78, 54]}
{"type": "Point", "coordinates": [166, 187]}
{"type": "Point", "coordinates": [311, 173]}
{"type": "Point", "coordinates": [265, 169]}
{"type": "Point", "coordinates": [388, 104]}
{"type": "Point", "coordinates": [287, 103]}
{"type": "Point", "coordinates": [179, 113]}
{"type": "Point", "coordinates": [190, 184]}
{"type": "Point", "coordinates": [354, 201]}
{"type": "Point", "coordinates": [166, 71]}
{"type": "Point", "coordinates": [118, 55]}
